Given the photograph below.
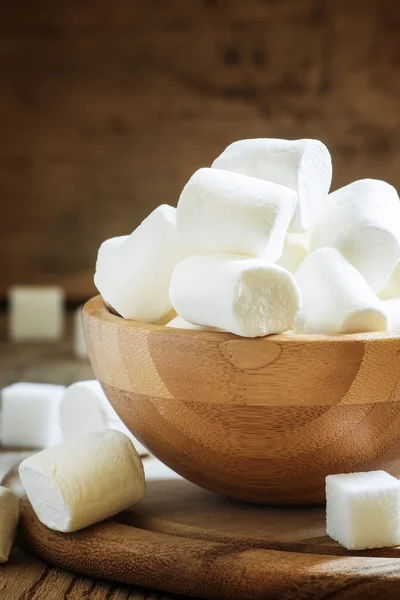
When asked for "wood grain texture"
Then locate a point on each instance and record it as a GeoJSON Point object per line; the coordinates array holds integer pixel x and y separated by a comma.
{"type": "Point", "coordinates": [26, 577]}
{"type": "Point", "coordinates": [187, 540]}
{"type": "Point", "coordinates": [261, 420]}
{"type": "Point", "coordinates": [108, 108]}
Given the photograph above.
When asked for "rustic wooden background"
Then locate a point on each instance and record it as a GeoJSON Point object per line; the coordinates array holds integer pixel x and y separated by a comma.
{"type": "Point", "coordinates": [107, 107]}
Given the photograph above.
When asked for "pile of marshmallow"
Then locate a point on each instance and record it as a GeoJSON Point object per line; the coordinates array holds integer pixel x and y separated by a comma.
{"type": "Point", "coordinates": [257, 245]}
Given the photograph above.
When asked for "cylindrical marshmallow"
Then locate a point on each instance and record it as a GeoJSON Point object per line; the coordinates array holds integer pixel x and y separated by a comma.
{"type": "Point", "coordinates": [304, 166]}
{"type": "Point", "coordinates": [9, 514]}
{"type": "Point", "coordinates": [179, 323]}
{"type": "Point", "coordinates": [30, 415]}
{"type": "Point", "coordinates": [246, 296]}
{"type": "Point", "coordinates": [227, 212]}
{"type": "Point", "coordinates": [133, 272]}
{"type": "Point", "coordinates": [392, 288]}
{"type": "Point", "coordinates": [362, 221]}
{"type": "Point", "coordinates": [85, 408]}
{"type": "Point", "coordinates": [336, 299]}
{"type": "Point", "coordinates": [295, 250]}
{"type": "Point", "coordinates": [392, 310]}
{"type": "Point", "coordinates": [81, 410]}
{"type": "Point", "coordinates": [83, 481]}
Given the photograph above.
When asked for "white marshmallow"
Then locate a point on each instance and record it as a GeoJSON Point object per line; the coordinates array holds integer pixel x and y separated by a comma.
{"type": "Point", "coordinates": [36, 313]}
{"type": "Point", "coordinates": [362, 221]}
{"type": "Point", "coordinates": [118, 425]}
{"type": "Point", "coordinates": [103, 254]}
{"type": "Point", "coordinates": [227, 212]}
{"type": "Point", "coordinates": [336, 299]}
{"type": "Point", "coordinates": [85, 408]}
{"type": "Point", "coordinates": [295, 250]}
{"type": "Point", "coordinates": [80, 349]}
{"type": "Point", "coordinates": [9, 514]}
{"type": "Point", "coordinates": [83, 481]}
{"type": "Point", "coordinates": [362, 510]}
{"type": "Point", "coordinates": [392, 311]}
{"type": "Point", "coordinates": [30, 415]}
{"type": "Point", "coordinates": [179, 323]}
{"type": "Point", "coordinates": [133, 272]}
{"type": "Point", "coordinates": [392, 288]}
{"type": "Point", "coordinates": [246, 296]}
{"type": "Point", "coordinates": [304, 166]}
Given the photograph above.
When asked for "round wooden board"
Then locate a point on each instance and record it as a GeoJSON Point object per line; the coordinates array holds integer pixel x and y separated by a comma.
{"type": "Point", "coordinates": [189, 541]}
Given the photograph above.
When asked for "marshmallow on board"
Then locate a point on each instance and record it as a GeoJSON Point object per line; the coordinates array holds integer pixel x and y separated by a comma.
{"type": "Point", "coordinates": [392, 311]}
{"type": "Point", "coordinates": [246, 296]}
{"type": "Point", "coordinates": [295, 250]}
{"type": "Point", "coordinates": [227, 212]}
{"type": "Point", "coordinates": [9, 514]}
{"type": "Point", "coordinates": [29, 417]}
{"type": "Point", "coordinates": [335, 297]}
{"type": "Point", "coordinates": [362, 221]}
{"type": "Point", "coordinates": [179, 323]}
{"type": "Point", "coordinates": [304, 165]}
{"type": "Point", "coordinates": [85, 408]}
{"type": "Point", "coordinates": [68, 493]}
{"type": "Point", "coordinates": [133, 272]}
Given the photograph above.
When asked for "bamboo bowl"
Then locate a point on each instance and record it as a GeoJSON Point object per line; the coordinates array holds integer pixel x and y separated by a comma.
{"type": "Point", "coordinates": [262, 420]}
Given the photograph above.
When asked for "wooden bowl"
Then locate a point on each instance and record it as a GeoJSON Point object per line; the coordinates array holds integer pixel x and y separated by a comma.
{"type": "Point", "coordinates": [262, 420]}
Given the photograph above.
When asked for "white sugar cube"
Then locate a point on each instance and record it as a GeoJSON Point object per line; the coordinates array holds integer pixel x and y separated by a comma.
{"type": "Point", "coordinates": [80, 349]}
{"type": "Point", "coordinates": [363, 510]}
{"type": "Point", "coordinates": [30, 415]}
{"type": "Point", "coordinates": [36, 313]}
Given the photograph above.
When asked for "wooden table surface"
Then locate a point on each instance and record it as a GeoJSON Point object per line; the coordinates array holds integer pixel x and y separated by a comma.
{"type": "Point", "coordinates": [25, 577]}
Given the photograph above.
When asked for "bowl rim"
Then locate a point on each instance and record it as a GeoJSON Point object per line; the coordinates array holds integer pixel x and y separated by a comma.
{"type": "Point", "coordinates": [95, 308]}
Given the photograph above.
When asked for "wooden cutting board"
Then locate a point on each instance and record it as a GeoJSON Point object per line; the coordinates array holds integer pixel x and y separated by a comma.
{"type": "Point", "coordinates": [189, 541]}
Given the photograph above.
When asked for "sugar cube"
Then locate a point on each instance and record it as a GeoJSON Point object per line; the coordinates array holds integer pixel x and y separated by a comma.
{"type": "Point", "coordinates": [363, 510]}
{"type": "Point", "coordinates": [36, 313]}
{"type": "Point", "coordinates": [30, 415]}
